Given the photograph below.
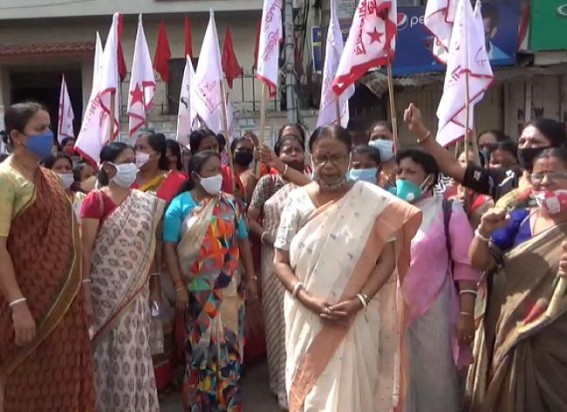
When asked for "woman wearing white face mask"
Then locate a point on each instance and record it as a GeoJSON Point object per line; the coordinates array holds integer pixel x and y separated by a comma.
{"type": "Point", "coordinates": [205, 236]}
{"type": "Point", "coordinates": [63, 166]}
{"type": "Point", "coordinates": [119, 239]}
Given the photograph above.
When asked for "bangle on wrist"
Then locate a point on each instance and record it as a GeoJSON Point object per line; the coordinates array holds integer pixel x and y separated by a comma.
{"type": "Point", "coordinates": [298, 286]}
{"type": "Point", "coordinates": [467, 314]}
{"type": "Point", "coordinates": [480, 236]}
{"type": "Point", "coordinates": [155, 274]}
{"type": "Point", "coordinates": [285, 169]}
{"type": "Point", "coordinates": [17, 302]}
{"type": "Point", "coordinates": [427, 136]}
{"type": "Point", "coordinates": [262, 238]}
{"type": "Point", "coordinates": [468, 292]}
{"type": "Point", "coordinates": [87, 281]}
{"type": "Point", "coordinates": [363, 300]}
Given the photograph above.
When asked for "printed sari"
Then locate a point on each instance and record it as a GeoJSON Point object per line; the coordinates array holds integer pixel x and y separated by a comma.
{"type": "Point", "coordinates": [55, 371]}
{"type": "Point", "coordinates": [333, 253]}
{"type": "Point", "coordinates": [209, 258]}
{"type": "Point", "coordinates": [520, 352]}
{"type": "Point", "coordinates": [121, 259]}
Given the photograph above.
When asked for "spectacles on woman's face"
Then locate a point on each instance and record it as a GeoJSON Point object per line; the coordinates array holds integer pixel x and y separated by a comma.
{"type": "Point", "coordinates": [552, 176]}
{"type": "Point", "coordinates": [337, 159]}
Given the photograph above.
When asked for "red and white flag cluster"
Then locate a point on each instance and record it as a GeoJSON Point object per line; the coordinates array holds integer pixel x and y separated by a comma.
{"type": "Point", "coordinates": [468, 66]}
{"type": "Point", "coordinates": [66, 115]}
{"type": "Point", "coordinates": [371, 42]}
{"type": "Point", "coordinates": [142, 83]}
{"type": "Point", "coordinates": [333, 108]}
{"type": "Point", "coordinates": [101, 122]}
{"type": "Point", "coordinates": [439, 20]}
{"type": "Point", "coordinates": [271, 35]}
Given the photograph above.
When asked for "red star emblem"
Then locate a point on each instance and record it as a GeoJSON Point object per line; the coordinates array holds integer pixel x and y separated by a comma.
{"type": "Point", "coordinates": [375, 36]}
{"type": "Point", "coordinates": [137, 95]}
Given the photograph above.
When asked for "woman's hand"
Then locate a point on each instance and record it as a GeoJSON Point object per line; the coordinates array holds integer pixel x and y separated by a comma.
{"type": "Point", "coordinates": [465, 328]}
{"type": "Point", "coordinates": [265, 155]}
{"type": "Point", "coordinates": [251, 288]}
{"type": "Point", "coordinates": [343, 311]}
{"type": "Point", "coordinates": [492, 220]}
{"type": "Point", "coordinates": [24, 324]}
{"type": "Point", "coordinates": [181, 298]}
{"type": "Point", "coordinates": [88, 303]}
{"type": "Point", "coordinates": [413, 119]}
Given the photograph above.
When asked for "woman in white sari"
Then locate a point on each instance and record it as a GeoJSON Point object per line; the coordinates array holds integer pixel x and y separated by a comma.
{"type": "Point", "coordinates": [336, 249]}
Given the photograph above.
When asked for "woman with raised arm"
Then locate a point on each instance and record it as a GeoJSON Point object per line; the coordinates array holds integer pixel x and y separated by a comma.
{"type": "Point", "coordinates": [45, 352]}
{"type": "Point", "coordinates": [337, 247]}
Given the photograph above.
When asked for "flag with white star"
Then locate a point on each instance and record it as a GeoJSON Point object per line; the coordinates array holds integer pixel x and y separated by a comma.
{"type": "Point", "coordinates": [371, 42]}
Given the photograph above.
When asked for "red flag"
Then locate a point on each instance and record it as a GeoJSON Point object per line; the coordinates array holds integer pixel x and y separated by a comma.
{"type": "Point", "coordinates": [163, 54]}
{"type": "Point", "coordinates": [122, 69]}
{"type": "Point", "coordinates": [371, 42]}
{"type": "Point", "coordinates": [230, 64]}
{"type": "Point", "coordinates": [257, 45]}
{"type": "Point", "coordinates": [188, 42]}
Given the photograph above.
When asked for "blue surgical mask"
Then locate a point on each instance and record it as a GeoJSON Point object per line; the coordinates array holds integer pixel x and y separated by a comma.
{"type": "Point", "coordinates": [363, 175]}
{"type": "Point", "coordinates": [386, 148]}
{"type": "Point", "coordinates": [408, 191]}
{"type": "Point", "coordinates": [40, 144]}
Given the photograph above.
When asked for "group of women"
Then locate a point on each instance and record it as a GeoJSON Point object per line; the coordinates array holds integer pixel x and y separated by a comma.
{"type": "Point", "coordinates": [369, 279]}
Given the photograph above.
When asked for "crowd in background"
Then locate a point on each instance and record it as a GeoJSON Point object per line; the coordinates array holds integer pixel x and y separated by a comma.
{"type": "Point", "coordinates": [422, 279]}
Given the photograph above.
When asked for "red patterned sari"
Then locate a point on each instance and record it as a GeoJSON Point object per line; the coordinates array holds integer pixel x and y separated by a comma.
{"type": "Point", "coordinates": [55, 371]}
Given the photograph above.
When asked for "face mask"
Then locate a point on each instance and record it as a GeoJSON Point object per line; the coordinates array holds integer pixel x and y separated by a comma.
{"type": "Point", "coordinates": [243, 158]}
{"type": "Point", "coordinates": [212, 185]}
{"type": "Point", "coordinates": [40, 144]}
{"type": "Point", "coordinates": [386, 148]}
{"type": "Point", "coordinates": [67, 179]}
{"type": "Point", "coordinates": [409, 191]}
{"type": "Point", "coordinates": [125, 174]}
{"type": "Point", "coordinates": [552, 201]}
{"type": "Point", "coordinates": [142, 159]}
{"type": "Point", "coordinates": [526, 156]}
{"type": "Point", "coordinates": [363, 175]}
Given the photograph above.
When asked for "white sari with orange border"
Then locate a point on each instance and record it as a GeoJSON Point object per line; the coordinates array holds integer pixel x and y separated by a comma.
{"type": "Point", "coordinates": [333, 251]}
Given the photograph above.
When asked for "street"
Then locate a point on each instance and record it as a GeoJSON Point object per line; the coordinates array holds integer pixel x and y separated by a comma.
{"type": "Point", "coordinates": [255, 388]}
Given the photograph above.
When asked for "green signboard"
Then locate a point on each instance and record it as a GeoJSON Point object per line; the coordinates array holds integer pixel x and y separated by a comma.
{"type": "Point", "coordinates": [548, 28]}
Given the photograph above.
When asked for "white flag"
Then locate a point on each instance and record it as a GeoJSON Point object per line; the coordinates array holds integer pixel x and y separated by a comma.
{"type": "Point", "coordinates": [100, 123]}
{"type": "Point", "coordinates": [186, 114]}
{"type": "Point", "coordinates": [439, 20]}
{"type": "Point", "coordinates": [142, 83]}
{"type": "Point", "coordinates": [271, 35]}
{"type": "Point", "coordinates": [371, 41]}
{"type": "Point", "coordinates": [97, 63]}
{"type": "Point", "coordinates": [66, 115]}
{"type": "Point", "coordinates": [209, 99]}
{"type": "Point", "coordinates": [468, 62]}
{"type": "Point", "coordinates": [329, 110]}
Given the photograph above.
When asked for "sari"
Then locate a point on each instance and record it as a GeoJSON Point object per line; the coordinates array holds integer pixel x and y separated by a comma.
{"type": "Point", "coordinates": [163, 327]}
{"type": "Point", "coordinates": [333, 251]}
{"type": "Point", "coordinates": [55, 371]}
{"type": "Point", "coordinates": [209, 258]}
{"type": "Point", "coordinates": [122, 255]}
{"type": "Point", "coordinates": [520, 353]}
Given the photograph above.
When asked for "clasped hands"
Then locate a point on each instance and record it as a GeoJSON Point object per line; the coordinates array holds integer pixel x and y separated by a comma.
{"type": "Point", "coordinates": [338, 313]}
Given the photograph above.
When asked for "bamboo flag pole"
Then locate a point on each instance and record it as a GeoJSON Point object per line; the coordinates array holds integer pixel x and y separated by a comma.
{"type": "Point", "coordinates": [393, 116]}
{"type": "Point", "coordinates": [467, 116]}
{"type": "Point", "coordinates": [338, 110]}
{"type": "Point", "coordinates": [261, 136]}
{"type": "Point", "coordinates": [227, 138]}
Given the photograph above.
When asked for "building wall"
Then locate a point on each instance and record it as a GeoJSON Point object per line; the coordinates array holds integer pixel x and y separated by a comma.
{"type": "Point", "coordinates": [29, 9]}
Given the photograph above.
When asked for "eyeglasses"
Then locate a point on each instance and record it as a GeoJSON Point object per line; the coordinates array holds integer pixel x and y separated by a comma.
{"type": "Point", "coordinates": [336, 159]}
{"type": "Point", "coordinates": [553, 176]}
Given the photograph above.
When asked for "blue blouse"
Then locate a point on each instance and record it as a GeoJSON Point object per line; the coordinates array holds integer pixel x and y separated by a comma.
{"type": "Point", "coordinates": [180, 207]}
{"type": "Point", "coordinates": [515, 233]}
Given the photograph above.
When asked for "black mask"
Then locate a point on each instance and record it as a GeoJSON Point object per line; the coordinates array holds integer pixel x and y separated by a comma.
{"type": "Point", "coordinates": [243, 158]}
{"type": "Point", "coordinates": [527, 156]}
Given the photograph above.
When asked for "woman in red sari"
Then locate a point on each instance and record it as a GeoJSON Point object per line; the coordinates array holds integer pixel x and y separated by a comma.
{"type": "Point", "coordinates": [45, 352]}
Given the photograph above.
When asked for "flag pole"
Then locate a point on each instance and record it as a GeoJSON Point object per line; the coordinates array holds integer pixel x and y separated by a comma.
{"type": "Point", "coordinates": [225, 127]}
{"type": "Point", "coordinates": [392, 106]}
{"type": "Point", "coordinates": [467, 117]}
{"type": "Point", "coordinates": [111, 115]}
{"type": "Point", "coordinates": [338, 110]}
{"type": "Point", "coordinates": [262, 122]}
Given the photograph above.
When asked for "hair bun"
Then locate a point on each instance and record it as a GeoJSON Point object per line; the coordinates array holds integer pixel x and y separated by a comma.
{"type": "Point", "coordinates": [4, 136]}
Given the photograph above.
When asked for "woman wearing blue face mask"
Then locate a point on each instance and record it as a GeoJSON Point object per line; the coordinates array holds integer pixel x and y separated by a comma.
{"type": "Point", "coordinates": [44, 340]}
{"type": "Point", "coordinates": [365, 164]}
{"type": "Point", "coordinates": [119, 240]}
{"type": "Point", "coordinates": [439, 290]}
{"type": "Point", "coordinates": [382, 138]}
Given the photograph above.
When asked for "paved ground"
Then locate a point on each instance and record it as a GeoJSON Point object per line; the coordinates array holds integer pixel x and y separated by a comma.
{"type": "Point", "coordinates": [255, 389]}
